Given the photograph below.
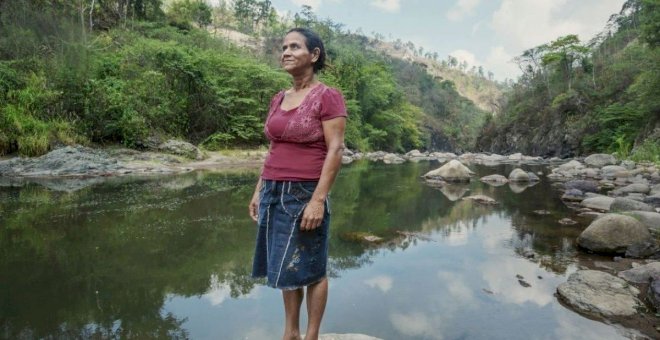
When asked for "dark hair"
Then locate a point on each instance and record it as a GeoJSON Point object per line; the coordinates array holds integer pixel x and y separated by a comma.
{"type": "Point", "coordinates": [312, 41]}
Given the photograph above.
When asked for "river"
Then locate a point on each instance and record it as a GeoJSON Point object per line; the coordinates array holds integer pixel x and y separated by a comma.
{"type": "Point", "coordinates": [170, 257]}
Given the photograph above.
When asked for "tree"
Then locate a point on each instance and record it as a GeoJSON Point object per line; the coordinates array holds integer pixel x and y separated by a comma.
{"type": "Point", "coordinates": [565, 51]}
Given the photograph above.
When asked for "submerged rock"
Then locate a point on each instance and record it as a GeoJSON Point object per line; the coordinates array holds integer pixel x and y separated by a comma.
{"type": "Point", "coordinates": [567, 221]}
{"type": "Point", "coordinates": [481, 199]}
{"type": "Point", "coordinates": [613, 233]}
{"type": "Point", "coordinates": [495, 180]}
{"type": "Point", "coordinates": [597, 293]}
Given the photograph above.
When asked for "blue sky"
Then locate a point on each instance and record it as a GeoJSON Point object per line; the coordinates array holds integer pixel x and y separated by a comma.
{"type": "Point", "coordinates": [482, 32]}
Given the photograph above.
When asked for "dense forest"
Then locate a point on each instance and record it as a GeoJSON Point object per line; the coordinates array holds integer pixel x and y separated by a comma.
{"type": "Point", "coordinates": [575, 98]}
{"type": "Point", "coordinates": [104, 72]}
{"type": "Point", "coordinates": [135, 72]}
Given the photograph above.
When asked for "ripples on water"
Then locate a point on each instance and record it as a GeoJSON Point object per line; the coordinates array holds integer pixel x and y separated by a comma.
{"type": "Point", "coordinates": [170, 257]}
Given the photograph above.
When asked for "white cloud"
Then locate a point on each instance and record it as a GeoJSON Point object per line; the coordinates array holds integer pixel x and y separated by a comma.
{"type": "Point", "coordinates": [500, 63]}
{"type": "Point", "coordinates": [461, 9]}
{"type": "Point", "coordinates": [387, 5]}
{"type": "Point", "coordinates": [311, 3]}
{"type": "Point", "coordinates": [382, 282]}
{"type": "Point", "coordinates": [457, 287]}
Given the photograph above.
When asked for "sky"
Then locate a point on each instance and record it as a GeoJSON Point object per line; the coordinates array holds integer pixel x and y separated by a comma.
{"type": "Point", "coordinates": [488, 33]}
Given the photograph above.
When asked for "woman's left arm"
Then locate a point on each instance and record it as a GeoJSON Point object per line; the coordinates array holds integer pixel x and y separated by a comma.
{"type": "Point", "coordinates": [333, 132]}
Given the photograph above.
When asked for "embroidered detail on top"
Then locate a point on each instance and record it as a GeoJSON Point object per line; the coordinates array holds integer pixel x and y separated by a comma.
{"type": "Point", "coordinates": [305, 123]}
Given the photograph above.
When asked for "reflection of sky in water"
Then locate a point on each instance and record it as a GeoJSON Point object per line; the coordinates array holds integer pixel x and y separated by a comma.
{"type": "Point", "coordinates": [459, 286]}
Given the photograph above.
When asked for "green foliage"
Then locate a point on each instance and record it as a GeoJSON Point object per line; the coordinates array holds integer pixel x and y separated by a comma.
{"type": "Point", "coordinates": [647, 151]}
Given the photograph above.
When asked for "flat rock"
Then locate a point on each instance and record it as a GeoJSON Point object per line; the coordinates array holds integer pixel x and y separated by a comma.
{"type": "Point", "coordinates": [612, 171]}
{"type": "Point", "coordinates": [494, 179]}
{"type": "Point", "coordinates": [601, 203]}
{"type": "Point", "coordinates": [633, 188]}
{"type": "Point", "coordinates": [583, 185]}
{"type": "Point", "coordinates": [567, 221]}
{"type": "Point", "coordinates": [392, 158]}
{"type": "Point", "coordinates": [613, 233]}
{"type": "Point", "coordinates": [598, 293]}
{"type": "Point", "coordinates": [625, 204]}
{"type": "Point", "coordinates": [641, 274]}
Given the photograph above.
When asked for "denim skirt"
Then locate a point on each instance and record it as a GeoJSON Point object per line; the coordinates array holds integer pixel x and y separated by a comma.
{"type": "Point", "coordinates": [288, 257]}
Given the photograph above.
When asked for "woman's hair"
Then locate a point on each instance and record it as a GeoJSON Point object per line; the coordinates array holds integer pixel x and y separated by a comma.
{"type": "Point", "coordinates": [312, 41]}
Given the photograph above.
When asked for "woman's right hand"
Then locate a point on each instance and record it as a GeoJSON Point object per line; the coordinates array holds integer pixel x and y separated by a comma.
{"type": "Point", "coordinates": [254, 206]}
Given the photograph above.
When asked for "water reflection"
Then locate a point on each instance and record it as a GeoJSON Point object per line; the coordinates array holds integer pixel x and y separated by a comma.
{"type": "Point", "coordinates": [171, 257]}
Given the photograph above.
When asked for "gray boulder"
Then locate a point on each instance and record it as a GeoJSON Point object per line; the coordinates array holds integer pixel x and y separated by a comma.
{"type": "Point", "coordinates": [452, 171]}
{"type": "Point", "coordinates": [611, 171]}
{"type": "Point", "coordinates": [632, 188]}
{"type": "Point", "coordinates": [582, 185]}
{"type": "Point", "coordinates": [181, 148]}
{"type": "Point", "coordinates": [573, 195]}
{"type": "Point", "coordinates": [643, 250]}
{"type": "Point", "coordinates": [613, 233]}
{"type": "Point", "coordinates": [597, 293]}
{"type": "Point", "coordinates": [518, 175]}
{"type": "Point", "coordinates": [641, 274]}
{"type": "Point", "coordinates": [600, 160]}
{"type": "Point", "coordinates": [391, 158]}
{"type": "Point", "coordinates": [650, 219]}
{"type": "Point", "coordinates": [601, 203]}
{"type": "Point", "coordinates": [625, 204]}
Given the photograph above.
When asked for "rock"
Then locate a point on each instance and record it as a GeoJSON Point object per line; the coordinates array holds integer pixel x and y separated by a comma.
{"type": "Point", "coordinates": [181, 148]}
{"type": "Point", "coordinates": [600, 160]}
{"type": "Point", "coordinates": [624, 204]}
{"type": "Point", "coordinates": [572, 165]}
{"type": "Point", "coordinates": [515, 157]}
{"type": "Point", "coordinates": [66, 161]}
{"type": "Point", "coordinates": [590, 214]}
{"type": "Point", "coordinates": [653, 295]}
{"type": "Point", "coordinates": [359, 236]}
{"type": "Point", "coordinates": [582, 185]}
{"type": "Point", "coordinates": [481, 199]}
{"type": "Point", "coordinates": [414, 153]}
{"type": "Point", "coordinates": [601, 203]}
{"type": "Point", "coordinates": [635, 197]}
{"type": "Point", "coordinates": [567, 221]}
{"type": "Point", "coordinates": [391, 158]}
{"type": "Point", "coordinates": [347, 336]}
{"type": "Point", "coordinates": [346, 159]}
{"type": "Point", "coordinates": [610, 171]}
{"type": "Point", "coordinates": [375, 156]}
{"type": "Point", "coordinates": [495, 180]}
{"type": "Point", "coordinates": [452, 171]}
{"type": "Point", "coordinates": [348, 152]}
{"type": "Point", "coordinates": [573, 195]}
{"type": "Point", "coordinates": [613, 233]}
{"type": "Point", "coordinates": [650, 219]}
{"type": "Point", "coordinates": [542, 212]}
{"type": "Point", "coordinates": [655, 190]}
{"type": "Point", "coordinates": [642, 250]}
{"type": "Point", "coordinates": [641, 274]}
{"type": "Point", "coordinates": [597, 293]}
{"type": "Point", "coordinates": [632, 188]}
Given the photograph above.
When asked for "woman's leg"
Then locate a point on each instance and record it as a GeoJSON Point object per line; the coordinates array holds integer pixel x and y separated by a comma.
{"type": "Point", "coordinates": [317, 296]}
{"type": "Point", "coordinates": [292, 301]}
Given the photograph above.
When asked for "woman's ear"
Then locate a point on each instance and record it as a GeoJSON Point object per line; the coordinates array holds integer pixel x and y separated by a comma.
{"type": "Point", "coordinates": [316, 53]}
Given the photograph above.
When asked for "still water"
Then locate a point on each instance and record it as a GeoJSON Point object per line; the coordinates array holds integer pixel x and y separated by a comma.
{"type": "Point", "coordinates": [170, 257]}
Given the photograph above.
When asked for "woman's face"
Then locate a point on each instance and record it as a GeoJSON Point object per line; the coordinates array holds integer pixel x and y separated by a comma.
{"type": "Point", "coordinates": [296, 57]}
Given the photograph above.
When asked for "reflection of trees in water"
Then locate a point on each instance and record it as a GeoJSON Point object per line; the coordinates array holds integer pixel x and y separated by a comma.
{"type": "Point", "coordinates": [100, 262]}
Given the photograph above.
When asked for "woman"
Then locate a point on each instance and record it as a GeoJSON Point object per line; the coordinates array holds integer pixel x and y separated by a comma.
{"type": "Point", "coordinates": [305, 126]}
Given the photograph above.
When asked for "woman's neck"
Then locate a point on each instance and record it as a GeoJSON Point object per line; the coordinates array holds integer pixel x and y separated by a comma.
{"type": "Point", "coordinates": [304, 81]}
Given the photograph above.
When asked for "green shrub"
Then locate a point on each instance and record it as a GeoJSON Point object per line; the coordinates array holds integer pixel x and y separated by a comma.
{"type": "Point", "coordinates": [649, 151]}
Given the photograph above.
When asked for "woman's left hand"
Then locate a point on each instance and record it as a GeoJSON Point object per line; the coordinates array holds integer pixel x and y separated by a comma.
{"type": "Point", "coordinates": [312, 215]}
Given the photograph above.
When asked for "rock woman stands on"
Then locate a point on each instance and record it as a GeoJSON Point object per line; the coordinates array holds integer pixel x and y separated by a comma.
{"type": "Point", "coordinates": [305, 126]}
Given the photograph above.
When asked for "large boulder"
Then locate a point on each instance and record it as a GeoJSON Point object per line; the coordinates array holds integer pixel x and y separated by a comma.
{"type": "Point", "coordinates": [611, 171]}
{"type": "Point", "coordinates": [600, 160]}
{"type": "Point", "coordinates": [613, 233]}
{"type": "Point", "coordinates": [601, 203]}
{"type": "Point", "coordinates": [597, 293]}
{"type": "Point", "coordinates": [452, 171]}
{"type": "Point", "coordinates": [181, 148]}
{"type": "Point", "coordinates": [641, 274]}
{"type": "Point", "coordinates": [519, 175]}
{"type": "Point", "coordinates": [626, 204]}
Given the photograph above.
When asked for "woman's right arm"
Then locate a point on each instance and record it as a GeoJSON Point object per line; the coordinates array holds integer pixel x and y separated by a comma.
{"type": "Point", "coordinates": [254, 202]}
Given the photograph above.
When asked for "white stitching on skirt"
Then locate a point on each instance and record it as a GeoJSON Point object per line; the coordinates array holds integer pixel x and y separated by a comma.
{"type": "Point", "coordinates": [286, 250]}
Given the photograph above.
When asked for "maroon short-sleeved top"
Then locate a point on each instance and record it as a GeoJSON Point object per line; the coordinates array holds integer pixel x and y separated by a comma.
{"type": "Point", "coordinates": [297, 145]}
